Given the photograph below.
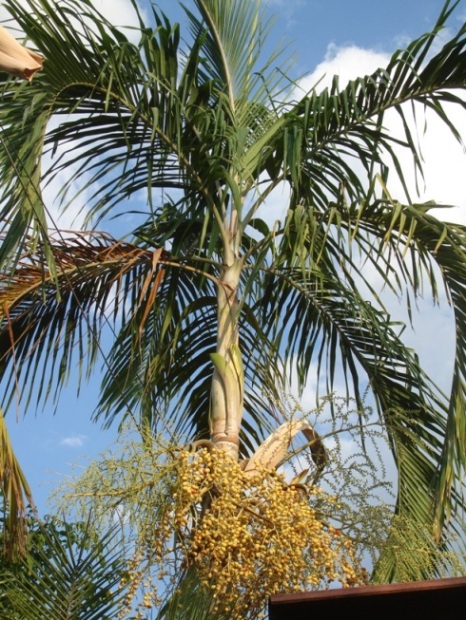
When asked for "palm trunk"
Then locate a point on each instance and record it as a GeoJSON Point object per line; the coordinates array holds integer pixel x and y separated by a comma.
{"type": "Point", "coordinates": [227, 382]}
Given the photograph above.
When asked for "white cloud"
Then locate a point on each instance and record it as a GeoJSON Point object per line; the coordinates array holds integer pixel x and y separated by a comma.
{"type": "Point", "coordinates": [118, 12]}
{"type": "Point", "coordinates": [444, 158]}
{"type": "Point", "coordinates": [445, 164]}
{"type": "Point", "coordinates": [347, 62]}
{"type": "Point", "coordinates": [444, 168]}
{"type": "Point", "coordinates": [73, 441]}
{"type": "Point", "coordinates": [275, 207]}
{"type": "Point", "coordinates": [74, 215]}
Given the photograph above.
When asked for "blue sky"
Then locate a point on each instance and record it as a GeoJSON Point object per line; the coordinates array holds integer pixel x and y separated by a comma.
{"type": "Point", "coordinates": [344, 36]}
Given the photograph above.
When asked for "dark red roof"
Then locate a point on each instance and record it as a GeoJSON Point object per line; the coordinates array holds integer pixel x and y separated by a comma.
{"type": "Point", "coordinates": [437, 599]}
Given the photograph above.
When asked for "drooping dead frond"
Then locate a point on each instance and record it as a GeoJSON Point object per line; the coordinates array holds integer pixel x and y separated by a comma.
{"type": "Point", "coordinates": [97, 281]}
{"type": "Point", "coordinates": [79, 258]}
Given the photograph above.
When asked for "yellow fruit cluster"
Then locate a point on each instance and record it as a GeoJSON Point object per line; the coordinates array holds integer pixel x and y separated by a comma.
{"type": "Point", "coordinates": [131, 581]}
{"type": "Point", "coordinates": [250, 536]}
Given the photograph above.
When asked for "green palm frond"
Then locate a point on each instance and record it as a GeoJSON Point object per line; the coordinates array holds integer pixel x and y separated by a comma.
{"type": "Point", "coordinates": [105, 73]}
{"type": "Point", "coordinates": [69, 574]}
{"type": "Point", "coordinates": [169, 366]}
{"type": "Point", "coordinates": [326, 324]}
{"type": "Point", "coordinates": [326, 132]}
{"type": "Point", "coordinates": [234, 34]}
{"type": "Point", "coordinates": [190, 600]}
{"type": "Point", "coordinates": [428, 243]}
{"type": "Point", "coordinates": [161, 354]}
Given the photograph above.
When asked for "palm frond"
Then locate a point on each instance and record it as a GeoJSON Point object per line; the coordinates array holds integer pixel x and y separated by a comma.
{"type": "Point", "coordinates": [69, 574]}
{"type": "Point", "coordinates": [102, 72]}
{"type": "Point", "coordinates": [43, 328]}
{"type": "Point", "coordinates": [425, 243]}
{"type": "Point", "coordinates": [16, 497]}
{"type": "Point", "coordinates": [326, 132]}
{"type": "Point", "coordinates": [168, 366]}
{"type": "Point", "coordinates": [326, 324]}
{"type": "Point", "coordinates": [234, 34]}
{"type": "Point", "coordinates": [190, 601]}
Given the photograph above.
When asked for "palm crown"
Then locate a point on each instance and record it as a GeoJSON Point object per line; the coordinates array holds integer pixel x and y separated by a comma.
{"type": "Point", "coordinates": [210, 306]}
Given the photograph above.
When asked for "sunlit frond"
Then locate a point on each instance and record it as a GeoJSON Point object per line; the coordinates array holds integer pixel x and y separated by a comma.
{"type": "Point", "coordinates": [15, 495]}
{"type": "Point", "coordinates": [69, 574]}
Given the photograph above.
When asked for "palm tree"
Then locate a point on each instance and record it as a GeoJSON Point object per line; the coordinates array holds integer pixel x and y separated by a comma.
{"type": "Point", "coordinates": [211, 307]}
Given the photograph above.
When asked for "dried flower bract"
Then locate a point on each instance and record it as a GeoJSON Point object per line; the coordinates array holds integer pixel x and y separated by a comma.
{"type": "Point", "coordinates": [17, 59]}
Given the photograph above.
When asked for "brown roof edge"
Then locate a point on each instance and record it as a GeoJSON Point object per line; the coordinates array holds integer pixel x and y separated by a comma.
{"type": "Point", "coordinates": [400, 598]}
